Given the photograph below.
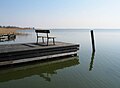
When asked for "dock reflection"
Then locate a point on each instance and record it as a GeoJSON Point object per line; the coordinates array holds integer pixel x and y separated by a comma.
{"type": "Point", "coordinates": [43, 69]}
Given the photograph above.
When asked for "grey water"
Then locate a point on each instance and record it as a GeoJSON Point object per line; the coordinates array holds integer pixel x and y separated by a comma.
{"type": "Point", "coordinates": [89, 70]}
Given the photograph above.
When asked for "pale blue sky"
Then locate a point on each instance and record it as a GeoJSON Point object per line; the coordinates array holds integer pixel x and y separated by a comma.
{"type": "Point", "coordinates": [61, 13]}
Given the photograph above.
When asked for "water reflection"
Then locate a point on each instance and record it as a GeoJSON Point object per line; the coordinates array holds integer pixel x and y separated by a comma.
{"type": "Point", "coordinates": [92, 61]}
{"type": "Point", "coordinates": [43, 69]}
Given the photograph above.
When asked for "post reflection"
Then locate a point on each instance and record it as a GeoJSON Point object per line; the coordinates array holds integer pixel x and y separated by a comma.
{"type": "Point", "coordinates": [92, 61]}
{"type": "Point", "coordinates": [42, 69]}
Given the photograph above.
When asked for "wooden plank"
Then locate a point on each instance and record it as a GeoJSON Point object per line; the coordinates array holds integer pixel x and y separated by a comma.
{"type": "Point", "coordinates": [23, 55]}
{"type": "Point", "coordinates": [34, 59]}
{"type": "Point", "coordinates": [42, 31]}
{"type": "Point", "coordinates": [32, 46]}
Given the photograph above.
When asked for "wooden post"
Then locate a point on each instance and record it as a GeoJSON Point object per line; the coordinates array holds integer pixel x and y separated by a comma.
{"type": "Point", "coordinates": [93, 50]}
{"type": "Point", "coordinates": [92, 39]}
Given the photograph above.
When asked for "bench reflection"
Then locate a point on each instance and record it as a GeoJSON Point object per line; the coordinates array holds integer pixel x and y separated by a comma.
{"type": "Point", "coordinates": [45, 69]}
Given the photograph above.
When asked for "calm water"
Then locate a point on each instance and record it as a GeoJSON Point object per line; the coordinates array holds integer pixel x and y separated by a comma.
{"type": "Point", "coordinates": [98, 70]}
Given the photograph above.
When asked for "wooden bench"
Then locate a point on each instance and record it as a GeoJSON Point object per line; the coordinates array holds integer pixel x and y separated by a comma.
{"type": "Point", "coordinates": [43, 37]}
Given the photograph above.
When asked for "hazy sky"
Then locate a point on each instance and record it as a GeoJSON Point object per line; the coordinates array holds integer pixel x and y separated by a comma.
{"type": "Point", "coordinates": [61, 13]}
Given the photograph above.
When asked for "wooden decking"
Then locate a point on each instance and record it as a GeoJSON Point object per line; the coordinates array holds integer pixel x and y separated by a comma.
{"type": "Point", "coordinates": [18, 53]}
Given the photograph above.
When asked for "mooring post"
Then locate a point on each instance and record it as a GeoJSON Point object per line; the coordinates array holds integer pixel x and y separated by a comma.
{"type": "Point", "coordinates": [93, 50]}
{"type": "Point", "coordinates": [92, 39]}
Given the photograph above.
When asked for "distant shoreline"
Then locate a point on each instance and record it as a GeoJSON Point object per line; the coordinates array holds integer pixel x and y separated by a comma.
{"type": "Point", "coordinates": [12, 30]}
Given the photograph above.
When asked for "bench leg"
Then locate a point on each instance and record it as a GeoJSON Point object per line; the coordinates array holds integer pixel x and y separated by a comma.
{"type": "Point", "coordinates": [47, 41]}
{"type": "Point", "coordinates": [42, 39]}
{"type": "Point", "coordinates": [53, 41]}
{"type": "Point", "coordinates": [37, 40]}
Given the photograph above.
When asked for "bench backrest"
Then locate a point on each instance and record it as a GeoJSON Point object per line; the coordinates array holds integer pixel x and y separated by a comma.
{"type": "Point", "coordinates": [42, 31]}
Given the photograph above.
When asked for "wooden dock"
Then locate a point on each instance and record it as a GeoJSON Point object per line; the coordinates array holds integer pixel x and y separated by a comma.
{"type": "Point", "coordinates": [7, 37]}
{"type": "Point", "coordinates": [19, 53]}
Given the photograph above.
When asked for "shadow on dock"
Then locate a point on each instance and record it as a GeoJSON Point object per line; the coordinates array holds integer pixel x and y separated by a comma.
{"type": "Point", "coordinates": [45, 69]}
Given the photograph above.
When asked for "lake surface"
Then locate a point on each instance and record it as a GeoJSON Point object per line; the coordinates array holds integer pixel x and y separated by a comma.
{"type": "Point", "coordinates": [89, 70]}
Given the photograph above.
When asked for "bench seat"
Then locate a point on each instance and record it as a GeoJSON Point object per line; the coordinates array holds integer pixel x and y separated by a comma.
{"type": "Point", "coordinates": [47, 37]}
